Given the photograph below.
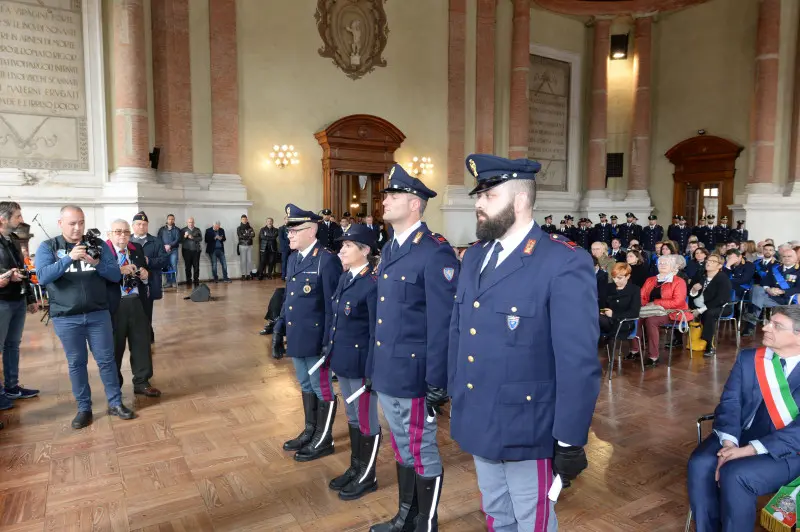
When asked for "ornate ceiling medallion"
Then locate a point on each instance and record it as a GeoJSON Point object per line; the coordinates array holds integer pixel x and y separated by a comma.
{"type": "Point", "coordinates": [354, 34]}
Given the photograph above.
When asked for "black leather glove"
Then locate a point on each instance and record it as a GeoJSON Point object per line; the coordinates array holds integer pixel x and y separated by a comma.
{"type": "Point", "coordinates": [325, 351]}
{"type": "Point", "coordinates": [278, 349]}
{"type": "Point", "coordinates": [569, 462]}
{"type": "Point", "coordinates": [367, 385]}
{"type": "Point", "coordinates": [434, 398]}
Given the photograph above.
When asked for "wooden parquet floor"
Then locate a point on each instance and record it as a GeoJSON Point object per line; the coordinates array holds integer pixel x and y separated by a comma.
{"type": "Point", "coordinates": [207, 455]}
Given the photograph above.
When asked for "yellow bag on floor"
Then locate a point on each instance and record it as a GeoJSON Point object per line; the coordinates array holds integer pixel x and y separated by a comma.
{"type": "Point", "coordinates": [697, 343]}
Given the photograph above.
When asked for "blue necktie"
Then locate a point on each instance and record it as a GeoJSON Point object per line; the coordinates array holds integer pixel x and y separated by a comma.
{"type": "Point", "coordinates": [783, 365]}
{"type": "Point", "coordinates": [395, 246]}
{"type": "Point", "coordinates": [492, 264]}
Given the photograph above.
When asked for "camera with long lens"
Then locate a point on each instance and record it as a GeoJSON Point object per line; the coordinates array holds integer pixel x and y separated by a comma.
{"type": "Point", "coordinates": [93, 243]}
{"type": "Point", "coordinates": [131, 280]}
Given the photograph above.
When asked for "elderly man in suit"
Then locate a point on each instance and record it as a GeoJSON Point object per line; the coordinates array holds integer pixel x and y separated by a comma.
{"type": "Point", "coordinates": [753, 450]}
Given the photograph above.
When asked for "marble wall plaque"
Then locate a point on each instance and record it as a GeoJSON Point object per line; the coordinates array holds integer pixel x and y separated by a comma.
{"type": "Point", "coordinates": [549, 120]}
{"type": "Point", "coordinates": [43, 115]}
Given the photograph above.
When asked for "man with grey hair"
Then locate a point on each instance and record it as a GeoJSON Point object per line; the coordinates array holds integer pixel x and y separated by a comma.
{"type": "Point", "coordinates": [777, 287]}
{"type": "Point", "coordinates": [753, 449]}
{"type": "Point", "coordinates": [76, 273]}
{"type": "Point", "coordinates": [190, 247]}
{"type": "Point", "coordinates": [16, 297]}
{"type": "Point", "coordinates": [215, 247]}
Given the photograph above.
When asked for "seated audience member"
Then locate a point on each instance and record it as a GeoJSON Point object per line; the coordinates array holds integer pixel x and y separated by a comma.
{"type": "Point", "coordinates": [667, 248]}
{"type": "Point", "coordinates": [600, 252]}
{"type": "Point", "coordinates": [739, 271]}
{"type": "Point", "coordinates": [681, 267]}
{"type": "Point", "coordinates": [602, 282]}
{"type": "Point", "coordinates": [706, 298]}
{"type": "Point", "coordinates": [622, 302]}
{"type": "Point", "coordinates": [666, 290]}
{"type": "Point", "coordinates": [775, 289]}
{"type": "Point", "coordinates": [616, 252]}
{"type": "Point", "coordinates": [690, 249]}
{"type": "Point", "coordinates": [764, 264]}
{"type": "Point", "coordinates": [753, 449]}
{"type": "Point", "coordinates": [749, 251]}
{"type": "Point", "coordinates": [696, 266]}
{"type": "Point", "coordinates": [639, 269]}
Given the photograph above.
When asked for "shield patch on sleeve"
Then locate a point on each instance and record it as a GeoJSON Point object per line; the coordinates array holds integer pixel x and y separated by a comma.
{"type": "Point", "coordinates": [512, 322]}
{"type": "Point", "coordinates": [449, 273]}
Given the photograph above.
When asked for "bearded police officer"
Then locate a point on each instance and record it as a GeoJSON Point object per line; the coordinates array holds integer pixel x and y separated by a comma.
{"type": "Point", "coordinates": [523, 380]}
{"type": "Point", "coordinates": [306, 317]}
{"type": "Point", "coordinates": [416, 284]}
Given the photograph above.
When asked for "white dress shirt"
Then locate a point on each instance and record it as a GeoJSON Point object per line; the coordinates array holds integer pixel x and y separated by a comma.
{"type": "Point", "coordinates": [510, 243]}
{"type": "Point", "coordinates": [402, 237]}
{"type": "Point", "coordinates": [791, 363]}
{"type": "Point", "coordinates": [307, 250]}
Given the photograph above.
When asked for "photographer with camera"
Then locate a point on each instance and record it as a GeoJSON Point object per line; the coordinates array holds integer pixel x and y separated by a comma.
{"type": "Point", "coordinates": [16, 297]}
{"type": "Point", "coordinates": [127, 303]}
{"type": "Point", "coordinates": [75, 267]}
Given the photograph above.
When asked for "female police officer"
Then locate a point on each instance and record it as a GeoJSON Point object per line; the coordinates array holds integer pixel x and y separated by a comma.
{"type": "Point", "coordinates": [351, 340]}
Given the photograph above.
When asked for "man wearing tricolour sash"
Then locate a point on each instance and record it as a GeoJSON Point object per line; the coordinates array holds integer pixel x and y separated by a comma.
{"type": "Point", "coordinates": [754, 448]}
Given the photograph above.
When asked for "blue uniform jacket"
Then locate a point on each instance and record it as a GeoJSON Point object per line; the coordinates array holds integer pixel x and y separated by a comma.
{"type": "Point", "coordinates": [740, 400]}
{"type": "Point", "coordinates": [157, 260]}
{"type": "Point", "coordinates": [706, 235]}
{"type": "Point", "coordinates": [353, 327]}
{"type": "Point", "coordinates": [651, 235]}
{"type": "Point", "coordinates": [602, 233]}
{"type": "Point", "coordinates": [789, 275]}
{"type": "Point", "coordinates": [523, 366]}
{"type": "Point", "coordinates": [415, 299]}
{"type": "Point", "coordinates": [306, 315]}
{"type": "Point", "coordinates": [741, 277]}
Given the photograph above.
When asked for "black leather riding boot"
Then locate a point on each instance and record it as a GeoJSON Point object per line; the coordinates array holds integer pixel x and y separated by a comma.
{"type": "Point", "coordinates": [366, 480]}
{"type": "Point", "coordinates": [407, 513]}
{"type": "Point", "coordinates": [429, 490]}
{"type": "Point", "coordinates": [310, 404]}
{"type": "Point", "coordinates": [343, 480]}
{"type": "Point", "coordinates": [321, 443]}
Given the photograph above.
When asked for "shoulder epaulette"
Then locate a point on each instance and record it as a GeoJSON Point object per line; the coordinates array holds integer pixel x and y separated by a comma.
{"type": "Point", "coordinates": [564, 241]}
{"type": "Point", "coordinates": [439, 239]}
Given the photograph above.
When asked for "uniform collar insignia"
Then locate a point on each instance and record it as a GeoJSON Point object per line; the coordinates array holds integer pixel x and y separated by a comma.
{"type": "Point", "coordinates": [418, 237]}
{"type": "Point", "coordinates": [316, 250]}
{"type": "Point", "coordinates": [529, 246]}
{"type": "Point", "coordinates": [364, 270]}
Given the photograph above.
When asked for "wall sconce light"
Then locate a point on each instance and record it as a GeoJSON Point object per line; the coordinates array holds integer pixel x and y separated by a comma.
{"type": "Point", "coordinates": [619, 46]}
{"type": "Point", "coordinates": [420, 166]}
{"type": "Point", "coordinates": [283, 156]}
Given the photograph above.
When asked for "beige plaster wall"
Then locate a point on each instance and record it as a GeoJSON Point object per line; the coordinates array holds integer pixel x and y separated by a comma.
{"type": "Point", "coordinates": [703, 78]}
{"type": "Point", "coordinates": [620, 107]}
{"type": "Point", "coordinates": [288, 92]}
{"type": "Point", "coordinates": [200, 65]}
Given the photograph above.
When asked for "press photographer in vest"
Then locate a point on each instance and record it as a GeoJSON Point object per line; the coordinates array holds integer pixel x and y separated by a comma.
{"type": "Point", "coordinates": [75, 268]}
{"type": "Point", "coordinates": [16, 297]}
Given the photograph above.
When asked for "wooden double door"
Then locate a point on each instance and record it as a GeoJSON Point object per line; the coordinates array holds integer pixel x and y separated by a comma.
{"type": "Point", "coordinates": [705, 167]}
{"type": "Point", "coordinates": [357, 194]}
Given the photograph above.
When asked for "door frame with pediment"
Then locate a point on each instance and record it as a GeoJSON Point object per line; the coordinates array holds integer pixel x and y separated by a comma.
{"type": "Point", "coordinates": [356, 144]}
{"type": "Point", "coordinates": [699, 162]}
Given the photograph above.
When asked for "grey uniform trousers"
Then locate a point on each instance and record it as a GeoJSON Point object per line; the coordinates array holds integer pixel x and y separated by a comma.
{"type": "Point", "coordinates": [413, 434]}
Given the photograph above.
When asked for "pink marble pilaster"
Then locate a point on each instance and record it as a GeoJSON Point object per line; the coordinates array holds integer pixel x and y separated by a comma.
{"type": "Point", "coordinates": [224, 87]}
{"type": "Point", "coordinates": [519, 123]}
{"type": "Point", "coordinates": [640, 134]}
{"type": "Point", "coordinates": [456, 91]}
{"type": "Point", "coordinates": [484, 85]}
{"type": "Point", "coordinates": [766, 91]}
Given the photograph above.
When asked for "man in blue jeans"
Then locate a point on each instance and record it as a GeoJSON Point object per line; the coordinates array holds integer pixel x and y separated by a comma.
{"type": "Point", "coordinates": [75, 273]}
{"type": "Point", "coordinates": [215, 247]}
{"type": "Point", "coordinates": [170, 237]}
{"type": "Point", "coordinates": [16, 297]}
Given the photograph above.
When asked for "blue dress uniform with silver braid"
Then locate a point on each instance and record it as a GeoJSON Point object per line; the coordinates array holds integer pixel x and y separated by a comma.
{"type": "Point", "coordinates": [681, 234]}
{"type": "Point", "coordinates": [651, 234]}
{"type": "Point", "coordinates": [417, 279]}
{"type": "Point", "coordinates": [352, 341]}
{"type": "Point", "coordinates": [602, 230]}
{"type": "Point", "coordinates": [523, 370]}
{"type": "Point", "coordinates": [706, 233]}
{"type": "Point", "coordinates": [305, 320]}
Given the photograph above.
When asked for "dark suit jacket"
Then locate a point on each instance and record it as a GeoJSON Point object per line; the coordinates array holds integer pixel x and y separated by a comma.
{"type": "Point", "coordinates": [625, 303]}
{"type": "Point", "coordinates": [157, 260]}
{"type": "Point", "coordinates": [211, 242]}
{"type": "Point", "coordinates": [137, 257]}
{"type": "Point", "coordinates": [716, 294]}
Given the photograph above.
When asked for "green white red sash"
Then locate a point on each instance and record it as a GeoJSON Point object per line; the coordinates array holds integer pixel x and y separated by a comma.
{"type": "Point", "coordinates": [774, 387]}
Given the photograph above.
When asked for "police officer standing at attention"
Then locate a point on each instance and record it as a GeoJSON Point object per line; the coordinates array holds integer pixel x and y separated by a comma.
{"type": "Point", "coordinates": [681, 234]}
{"type": "Point", "coordinates": [329, 231]}
{"type": "Point", "coordinates": [652, 233]}
{"type": "Point", "coordinates": [602, 231]}
{"type": "Point", "coordinates": [305, 321]}
{"type": "Point", "coordinates": [548, 226]}
{"type": "Point", "coordinates": [523, 380]}
{"type": "Point", "coordinates": [352, 342]}
{"type": "Point", "coordinates": [416, 285]}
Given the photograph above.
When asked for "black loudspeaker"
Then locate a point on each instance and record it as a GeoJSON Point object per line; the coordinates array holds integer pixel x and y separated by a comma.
{"type": "Point", "coordinates": [154, 156]}
{"type": "Point", "coordinates": [201, 294]}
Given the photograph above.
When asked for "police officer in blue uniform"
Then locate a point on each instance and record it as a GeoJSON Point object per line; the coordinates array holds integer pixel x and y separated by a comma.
{"type": "Point", "coordinates": [681, 234]}
{"type": "Point", "coordinates": [523, 379]}
{"type": "Point", "coordinates": [329, 231]}
{"type": "Point", "coordinates": [583, 236]}
{"type": "Point", "coordinates": [305, 321]}
{"type": "Point", "coordinates": [705, 233]}
{"type": "Point", "coordinates": [722, 232]}
{"type": "Point", "coordinates": [739, 234]}
{"type": "Point", "coordinates": [615, 228]}
{"type": "Point", "coordinates": [671, 229]}
{"type": "Point", "coordinates": [352, 340]}
{"type": "Point", "coordinates": [548, 226]}
{"type": "Point", "coordinates": [630, 231]}
{"type": "Point", "coordinates": [417, 279]}
{"type": "Point", "coordinates": [652, 233]}
{"type": "Point", "coordinates": [602, 231]}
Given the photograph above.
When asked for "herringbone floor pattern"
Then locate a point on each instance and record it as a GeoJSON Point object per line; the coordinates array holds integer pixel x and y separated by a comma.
{"type": "Point", "coordinates": [207, 455]}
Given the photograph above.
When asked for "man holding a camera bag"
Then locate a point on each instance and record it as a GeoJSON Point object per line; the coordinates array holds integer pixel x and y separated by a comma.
{"type": "Point", "coordinates": [16, 296]}
{"type": "Point", "coordinates": [127, 303]}
{"type": "Point", "coordinates": [75, 268]}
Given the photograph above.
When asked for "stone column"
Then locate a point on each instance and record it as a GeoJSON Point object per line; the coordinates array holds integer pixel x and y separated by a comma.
{"type": "Point", "coordinates": [224, 93]}
{"type": "Point", "coordinates": [172, 86]}
{"type": "Point", "coordinates": [131, 127]}
{"type": "Point", "coordinates": [456, 92]}
{"type": "Point", "coordinates": [766, 97]}
{"type": "Point", "coordinates": [640, 134]}
{"type": "Point", "coordinates": [484, 86]}
{"type": "Point", "coordinates": [598, 117]}
{"type": "Point", "coordinates": [519, 123]}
